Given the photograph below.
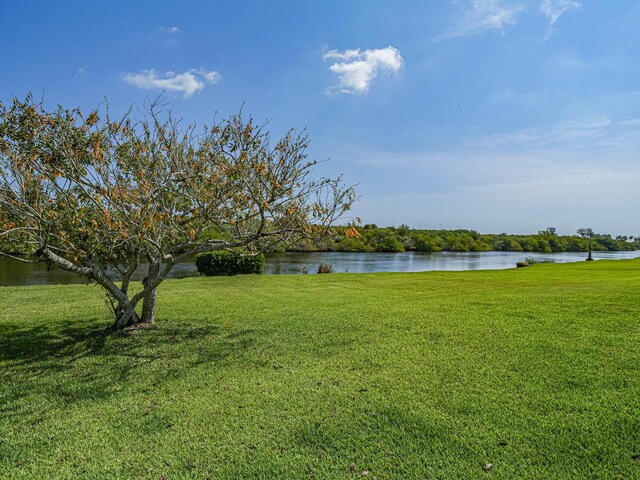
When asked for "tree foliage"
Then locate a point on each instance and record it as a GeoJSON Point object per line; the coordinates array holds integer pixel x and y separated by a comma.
{"type": "Point", "coordinates": [100, 195]}
{"type": "Point", "coordinates": [371, 238]}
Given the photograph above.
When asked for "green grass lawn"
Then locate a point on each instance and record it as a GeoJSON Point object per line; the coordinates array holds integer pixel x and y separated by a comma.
{"type": "Point", "coordinates": [425, 375]}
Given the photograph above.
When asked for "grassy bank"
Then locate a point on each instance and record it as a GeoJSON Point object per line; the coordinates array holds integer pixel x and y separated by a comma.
{"type": "Point", "coordinates": [429, 375]}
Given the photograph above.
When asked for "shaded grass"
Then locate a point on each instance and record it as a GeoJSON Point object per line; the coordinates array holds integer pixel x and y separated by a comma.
{"type": "Point", "coordinates": [426, 375]}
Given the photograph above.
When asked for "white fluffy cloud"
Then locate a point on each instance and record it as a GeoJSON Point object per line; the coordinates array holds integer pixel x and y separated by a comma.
{"type": "Point", "coordinates": [187, 83]}
{"type": "Point", "coordinates": [554, 9]}
{"type": "Point", "coordinates": [356, 69]}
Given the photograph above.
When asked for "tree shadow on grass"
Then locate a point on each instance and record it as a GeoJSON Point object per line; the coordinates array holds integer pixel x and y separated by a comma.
{"type": "Point", "coordinates": [71, 362]}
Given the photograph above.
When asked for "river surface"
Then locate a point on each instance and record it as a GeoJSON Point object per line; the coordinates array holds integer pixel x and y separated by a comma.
{"type": "Point", "coordinates": [13, 272]}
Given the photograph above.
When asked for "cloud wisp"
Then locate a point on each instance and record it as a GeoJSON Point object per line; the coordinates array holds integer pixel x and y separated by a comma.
{"type": "Point", "coordinates": [554, 9]}
{"type": "Point", "coordinates": [595, 134]}
{"type": "Point", "coordinates": [187, 83]}
{"type": "Point", "coordinates": [169, 30]}
{"type": "Point", "coordinates": [485, 16]}
{"type": "Point", "coordinates": [356, 69]}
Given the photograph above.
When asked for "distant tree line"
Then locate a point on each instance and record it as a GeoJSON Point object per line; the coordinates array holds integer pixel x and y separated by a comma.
{"type": "Point", "coordinates": [371, 238]}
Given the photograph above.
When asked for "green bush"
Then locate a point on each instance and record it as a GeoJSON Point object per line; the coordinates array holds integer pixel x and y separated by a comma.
{"type": "Point", "coordinates": [219, 263]}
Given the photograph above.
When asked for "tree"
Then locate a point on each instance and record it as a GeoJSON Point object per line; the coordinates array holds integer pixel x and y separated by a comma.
{"type": "Point", "coordinates": [100, 196]}
{"type": "Point", "coordinates": [587, 233]}
{"type": "Point", "coordinates": [549, 231]}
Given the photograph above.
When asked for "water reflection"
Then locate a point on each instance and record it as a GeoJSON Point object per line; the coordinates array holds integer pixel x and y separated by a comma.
{"type": "Point", "coordinates": [13, 272]}
{"type": "Point", "coordinates": [419, 261]}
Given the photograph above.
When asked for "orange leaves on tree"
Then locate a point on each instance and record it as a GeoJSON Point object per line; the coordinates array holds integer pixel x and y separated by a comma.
{"type": "Point", "coordinates": [352, 232]}
{"type": "Point", "coordinates": [92, 119]}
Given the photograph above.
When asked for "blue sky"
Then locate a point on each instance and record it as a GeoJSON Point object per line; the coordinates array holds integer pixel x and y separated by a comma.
{"type": "Point", "coordinates": [496, 115]}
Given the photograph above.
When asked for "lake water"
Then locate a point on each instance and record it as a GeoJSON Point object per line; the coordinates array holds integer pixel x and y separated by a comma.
{"type": "Point", "coordinates": [13, 272]}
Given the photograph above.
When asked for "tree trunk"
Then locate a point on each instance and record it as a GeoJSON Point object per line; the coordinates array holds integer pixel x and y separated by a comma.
{"type": "Point", "coordinates": [589, 258]}
{"type": "Point", "coordinates": [149, 300]}
{"type": "Point", "coordinates": [149, 307]}
{"type": "Point", "coordinates": [125, 312]}
{"type": "Point", "coordinates": [125, 317]}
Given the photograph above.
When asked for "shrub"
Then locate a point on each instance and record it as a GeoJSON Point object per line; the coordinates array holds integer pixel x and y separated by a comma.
{"type": "Point", "coordinates": [219, 263]}
{"type": "Point", "coordinates": [325, 268]}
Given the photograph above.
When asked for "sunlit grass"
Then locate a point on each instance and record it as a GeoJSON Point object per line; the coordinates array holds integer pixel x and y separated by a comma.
{"type": "Point", "coordinates": [428, 375]}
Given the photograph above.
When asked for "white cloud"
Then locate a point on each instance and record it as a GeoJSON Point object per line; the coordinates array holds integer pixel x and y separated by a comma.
{"type": "Point", "coordinates": [170, 30]}
{"type": "Point", "coordinates": [356, 69]}
{"type": "Point", "coordinates": [554, 9]}
{"type": "Point", "coordinates": [485, 16]}
{"type": "Point", "coordinates": [187, 83]}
